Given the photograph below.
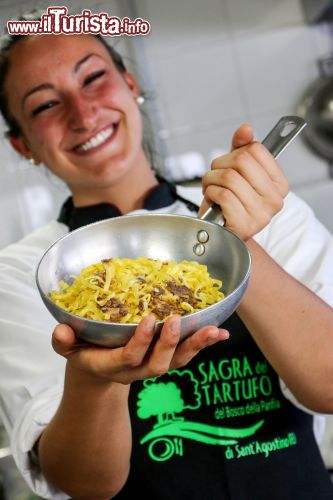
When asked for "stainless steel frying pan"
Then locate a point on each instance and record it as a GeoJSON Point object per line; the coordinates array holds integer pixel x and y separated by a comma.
{"type": "Point", "coordinates": [166, 237]}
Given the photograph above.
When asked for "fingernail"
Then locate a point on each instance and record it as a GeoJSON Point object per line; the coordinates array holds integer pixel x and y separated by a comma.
{"type": "Point", "coordinates": [224, 333]}
{"type": "Point", "coordinates": [150, 322]}
{"type": "Point", "coordinates": [175, 325]}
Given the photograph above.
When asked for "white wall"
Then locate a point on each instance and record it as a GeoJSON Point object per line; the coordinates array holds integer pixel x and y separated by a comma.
{"type": "Point", "coordinates": [218, 63]}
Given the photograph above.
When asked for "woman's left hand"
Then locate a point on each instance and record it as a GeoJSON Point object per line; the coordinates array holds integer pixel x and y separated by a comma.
{"type": "Point", "coordinates": [247, 184]}
{"type": "Point", "coordinates": [144, 356]}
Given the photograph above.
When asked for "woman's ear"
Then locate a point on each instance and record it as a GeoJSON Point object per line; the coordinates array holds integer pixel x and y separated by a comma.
{"type": "Point", "coordinates": [131, 82]}
{"type": "Point", "coordinates": [21, 147]}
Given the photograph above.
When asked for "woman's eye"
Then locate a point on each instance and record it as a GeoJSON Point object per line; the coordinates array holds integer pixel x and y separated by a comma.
{"type": "Point", "coordinates": [43, 107]}
{"type": "Point", "coordinates": [94, 76]}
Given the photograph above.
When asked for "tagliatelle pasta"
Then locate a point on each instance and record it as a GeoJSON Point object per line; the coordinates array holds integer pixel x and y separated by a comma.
{"type": "Point", "coordinates": [124, 290]}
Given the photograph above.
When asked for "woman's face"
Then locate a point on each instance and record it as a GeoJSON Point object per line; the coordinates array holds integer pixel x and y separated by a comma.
{"type": "Point", "coordinates": [77, 113]}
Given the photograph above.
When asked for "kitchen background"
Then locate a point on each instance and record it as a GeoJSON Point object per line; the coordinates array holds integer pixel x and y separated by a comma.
{"type": "Point", "coordinates": [206, 67]}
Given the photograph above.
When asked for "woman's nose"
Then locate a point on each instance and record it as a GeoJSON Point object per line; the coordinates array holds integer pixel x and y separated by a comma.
{"type": "Point", "coordinates": [82, 114]}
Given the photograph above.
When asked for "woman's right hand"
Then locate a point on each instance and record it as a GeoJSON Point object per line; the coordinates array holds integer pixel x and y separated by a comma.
{"type": "Point", "coordinates": [140, 358]}
{"type": "Point", "coordinates": [247, 184]}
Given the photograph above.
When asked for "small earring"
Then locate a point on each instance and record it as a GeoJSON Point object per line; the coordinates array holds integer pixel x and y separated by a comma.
{"type": "Point", "coordinates": [33, 162]}
{"type": "Point", "coordinates": [140, 100]}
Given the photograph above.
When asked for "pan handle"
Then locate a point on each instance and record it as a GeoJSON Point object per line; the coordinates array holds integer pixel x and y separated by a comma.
{"type": "Point", "coordinates": [281, 135]}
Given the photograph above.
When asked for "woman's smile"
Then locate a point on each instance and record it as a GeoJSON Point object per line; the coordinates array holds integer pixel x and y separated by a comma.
{"type": "Point", "coordinates": [97, 141]}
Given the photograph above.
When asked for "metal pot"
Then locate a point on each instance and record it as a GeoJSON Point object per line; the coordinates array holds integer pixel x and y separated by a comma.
{"type": "Point", "coordinates": [316, 107]}
{"type": "Point", "coordinates": [165, 237]}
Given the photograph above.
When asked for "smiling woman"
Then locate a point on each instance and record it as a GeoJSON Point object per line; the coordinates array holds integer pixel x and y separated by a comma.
{"type": "Point", "coordinates": [79, 117]}
{"type": "Point", "coordinates": [72, 412]}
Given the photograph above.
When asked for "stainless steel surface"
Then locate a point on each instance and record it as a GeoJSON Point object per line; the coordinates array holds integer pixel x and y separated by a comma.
{"type": "Point", "coordinates": [167, 237]}
{"type": "Point", "coordinates": [214, 214]}
{"type": "Point", "coordinates": [284, 132]}
{"type": "Point", "coordinates": [281, 135]}
{"type": "Point", "coordinates": [203, 236]}
{"type": "Point", "coordinates": [199, 247]}
{"type": "Point", "coordinates": [316, 107]}
{"type": "Point", "coordinates": [318, 10]}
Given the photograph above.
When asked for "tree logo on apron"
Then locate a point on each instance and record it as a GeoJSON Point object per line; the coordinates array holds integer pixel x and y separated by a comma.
{"type": "Point", "coordinates": [165, 399]}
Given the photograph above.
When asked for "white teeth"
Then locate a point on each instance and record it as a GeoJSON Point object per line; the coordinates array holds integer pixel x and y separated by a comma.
{"type": "Point", "coordinates": [97, 140]}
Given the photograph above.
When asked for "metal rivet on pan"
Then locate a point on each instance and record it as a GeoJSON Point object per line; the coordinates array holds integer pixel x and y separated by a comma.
{"type": "Point", "coordinates": [199, 249]}
{"type": "Point", "coordinates": [202, 236]}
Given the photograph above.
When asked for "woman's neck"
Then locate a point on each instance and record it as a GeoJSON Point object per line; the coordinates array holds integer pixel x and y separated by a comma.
{"type": "Point", "coordinates": [127, 193]}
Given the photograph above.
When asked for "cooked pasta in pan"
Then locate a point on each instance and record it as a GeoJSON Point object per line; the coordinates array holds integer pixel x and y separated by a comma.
{"type": "Point", "coordinates": [124, 290]}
